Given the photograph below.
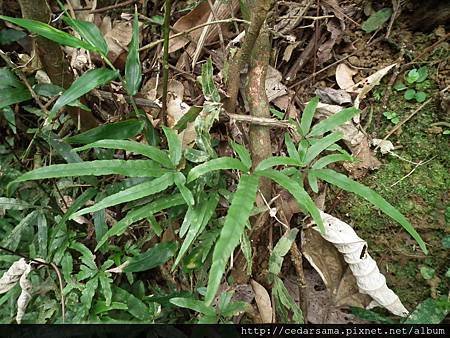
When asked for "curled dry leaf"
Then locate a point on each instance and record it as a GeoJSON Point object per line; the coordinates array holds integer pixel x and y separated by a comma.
{"type": "Point", "coordinates": [263, 302]}
{"type": "Point", "coordinates": [18, 272]}
{"type": "Point", "coordinates": [334, 272]}
{"type": "Point", "coordinates": [198, 16]}
{"type": "Point", "coordinates": [369, 279]}
{"type": "Point", "coordinates": [364, 86]}
{"type": "Point", "coordinates": [385, 146]}
{"type": "Point", "coordinates": [344, 76]}
{"type": "Point", "coordinates": [117, 35]}
{"type": "Point", "coordinates": [274, 87]}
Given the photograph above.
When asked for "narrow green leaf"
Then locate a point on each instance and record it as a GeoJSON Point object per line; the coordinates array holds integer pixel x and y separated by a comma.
{"type": "Point", "coordinates": [175, 146]}
{"type": "Point", "coordinates": [275, 161]}
{"type": "Point", "coordinates": [42, 235]}
{"type": "Point", "coordinates": [430, 311]}
{"type": "Point", "coordinates": [151, 152]}
{"type": "Point", "coordinates": [195, 222]}
{"type": "Point", "coordinates": [237, 216]}
{"type": "Point", "coordinates": [188, 117]}
{"type": "Point", "coordinates": [13, 239]}
{"type": "Point", "coordinates": [280, 250]}
{"type": "Point", "coordinates": [87, 257]}
{"type": "Point", "coordinates": [292, 150]}
{"type": "Point", "coordinates": [141, 213]}
{"type": "Point", "coordinates": [90, 33]}
{"type": "Point", "coordinates": [193, 304]}
{"type": "Point", "coordinates": [333, 121]}
{"type": "Point", "coordinates": [155, 256]}
{"type": "Point", "coordinates": [112, 131]}
{"type": "Point", "coordinates": [284, 297]}
{"type": "Point", "coordinates": [222, 163]}
{"type": "Point", "coordinates": [133, 73]}
{"type": "Point", "coordinates": [209, 88]}
{"type": "Point", "coordinates": [312, 181]}
{"type": "Point", "coordinates": [296, 190]}
{"type": "Point", "coordinates": [134, 168]}
{"type": "Point", "coordinates": [84, 84]}
{"type": "Point", "coordinates": [180, 181]}
{"type": "Point", "coordinates": [138, 191]}
{"type": "Point", "coordinates": [243, 153]}
{"type": "Point", "coordinates": [10, 117]}
{"type": "Point", "coordinates": [308, 114]}
{"type": "Point", "coordinates": [105, 283]}
{"type": "Point", "coordinates": [348, 184]}
{"type": "Point", "coordinates": [13, 204]}
{"type": "Point", "coordinates": [326, 160]}
{"type": "Point", "coordinates": [320, 145]}
{"type": "Point", "coordinates": [49, 32]}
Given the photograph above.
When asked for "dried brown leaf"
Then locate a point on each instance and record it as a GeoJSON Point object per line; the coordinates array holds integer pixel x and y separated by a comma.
{"type": "Point", "coordinates": [263, 302]}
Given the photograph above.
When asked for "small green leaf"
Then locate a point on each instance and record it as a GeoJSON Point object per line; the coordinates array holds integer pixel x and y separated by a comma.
{"type": "Point", "coordinates": [10, 117]}
{"type": "Point", "coordinates": [9, 96]}
{"type": "Point", "coordinates": [276, 161]}
{"type": "Point", "coordinates": [399, 86]}
{"type": "Point", "coordinates": [308, 114]}
{"type": "Point", "coordinates": [155, 256]}
{"type": "Point", "coordinates": [420, 97]}
{"type": "Point", "coordinates": [412, 76]}
{"type": "Point", "coordinates": [90, 33]}
{"type": "Point", "coordinates": [49, 32]}
{"type": "Point", "coordinates": [333, 121]}
{"type": "Point", "coordinates": [151, 152]}
{"type": "Point", "coordinates": [8, 36]}
{"type": "Point", "coordinates": [280, 250]}
{"type": "Point", "coordinates": [291, 149]}
{"type": "Point", "coordinates": [208, 86]}
{"type": "Point", "coordinates": [234, 225]}
{"type": "Point", "coordinates": [312, 181]}
{"type": "Point", "coordinates": [430, 311]}
{"type": "Point", "coordinates": [180, 181]}
{"type": "Point", "coordinates": [84, 84]}
{"type": "Point", "coordinates": [427, 272]}
{"type": "Point", "coordinates": [175, 146]}
{"type": "Point", "coordinates": [194, 223]}
{"type": "Point", "coordinates": [243, 153]}
{"type": "Point", "coordinates": [188, 117]}
{"type": "Point", "coordinates": [410, 94]}
{"type": "Point", "coordinates": [13, 204]}
{"type": "Point", "coordinates": [423, 74]}
{"type": "Point", "coordinates": [348, 184]}
{"type": "Point", "coordinates": [222, 163]}
{"type": "Point", "coordinates": [446, 242]}
{"type": "Point", "coordinates": [112, 131]}
{"type": "Point", "coordinates": [141, 213]}
{"type": "Point", "coordinates": [193, 304]}
{"type": "Point", "coordinates": [135, 192]}
{"type": "Point", "coordinates": [133, 72]}
{"type": "Point", "coordinates": [321, 145]}
{"type": "Point", "coordinates": [376, 20]}
{"type": "Point", "coordinates": [333, 158]}
{"type": "Point", "coordinates": [135, 306]}
{"type": "Point", "coordinates": [296, 190]}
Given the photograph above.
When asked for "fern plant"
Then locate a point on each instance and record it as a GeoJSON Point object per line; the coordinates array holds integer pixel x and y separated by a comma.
{"type": "Point", "coordinates": [186, 183]}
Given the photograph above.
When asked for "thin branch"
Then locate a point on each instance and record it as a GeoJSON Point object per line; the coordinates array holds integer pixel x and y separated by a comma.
{"type": "Point", "coordinates": [166, 33]}
{"type": "Point", "coordinates": [157, 42]}
{"type": "Point", "coordinates": [107, 8]}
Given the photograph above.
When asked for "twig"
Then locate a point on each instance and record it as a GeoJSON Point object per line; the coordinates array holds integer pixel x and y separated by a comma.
{"type": "Point", "coordinates": [397, 7]}
{"type": "Point", "coordinates": [411, 172]}
{"type": "Point", "coordinates": [165, 79]}
{"type": "Point", "coordinates": [261, 121]}
{"type": "Point", "coordinates": [157, 42]}
{"type": "Point", "coordinates": [107, 8]}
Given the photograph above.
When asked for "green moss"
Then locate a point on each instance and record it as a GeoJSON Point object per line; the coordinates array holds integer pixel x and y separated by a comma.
{"type": "Point", "coordinates": [422, 197]}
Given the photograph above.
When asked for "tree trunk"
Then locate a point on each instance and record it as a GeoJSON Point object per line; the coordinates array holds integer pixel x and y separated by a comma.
{"type": "Point", "coordinates": [53, 60]}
